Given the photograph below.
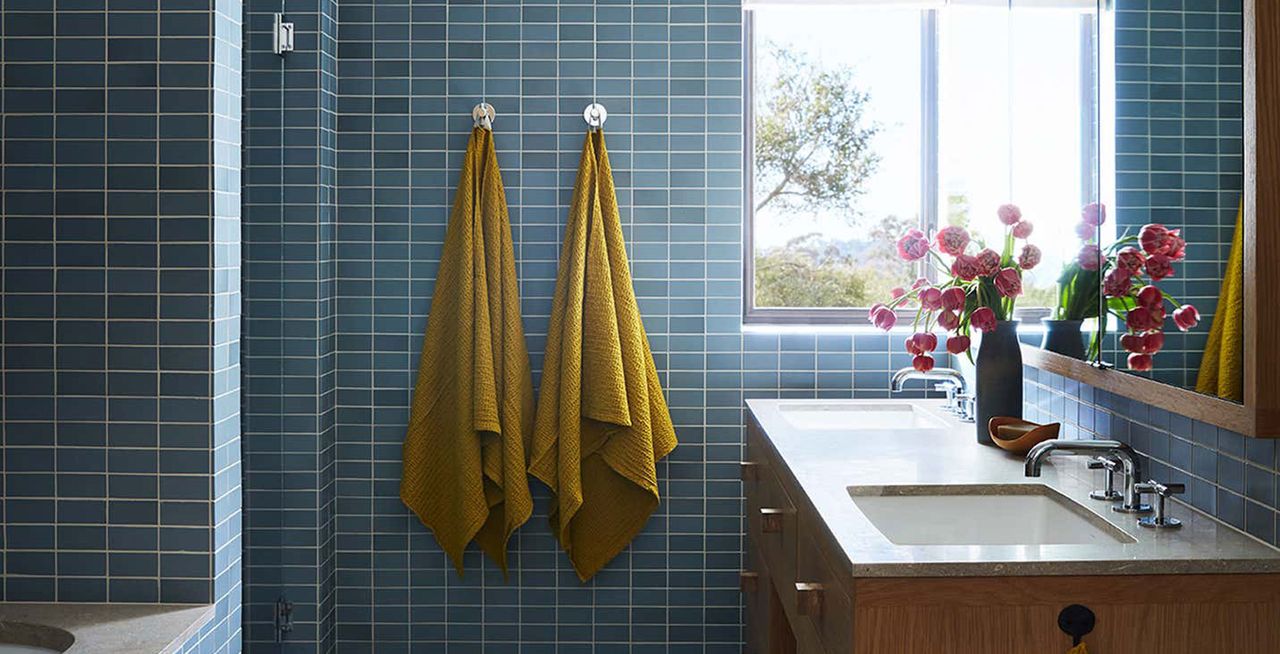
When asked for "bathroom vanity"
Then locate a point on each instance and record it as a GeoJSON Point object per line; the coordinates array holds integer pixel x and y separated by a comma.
{"type": "Point", "coordinates": [881, 526]}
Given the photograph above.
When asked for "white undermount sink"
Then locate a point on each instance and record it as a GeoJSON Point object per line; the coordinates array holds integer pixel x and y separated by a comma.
{"type": "Point", "coordinates": [982, 514]}
{"type": "Point", "coordinates": [857, 415]}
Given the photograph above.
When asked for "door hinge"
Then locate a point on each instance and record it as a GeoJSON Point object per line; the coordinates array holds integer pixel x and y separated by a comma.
{"type": "Point", "coordinates": [283, 618]}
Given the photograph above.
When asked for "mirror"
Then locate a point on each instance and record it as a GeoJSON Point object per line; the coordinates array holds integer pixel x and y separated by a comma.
{"type": "Point", "coordinates": [1171, 100]}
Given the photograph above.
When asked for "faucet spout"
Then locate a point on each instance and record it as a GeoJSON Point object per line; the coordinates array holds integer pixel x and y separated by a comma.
{"type": "Point", "coordinates": [949, 376]}
{"type": "Point", "coordinates": [1120, 451]}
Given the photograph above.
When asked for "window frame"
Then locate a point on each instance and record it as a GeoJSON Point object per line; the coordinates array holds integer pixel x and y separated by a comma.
{"type": "Point", "coordinates": [930, 177]}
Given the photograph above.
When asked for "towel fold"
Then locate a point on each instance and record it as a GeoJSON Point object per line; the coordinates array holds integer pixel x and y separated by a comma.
{"type": "Point", "coordinates": [471, 418]}
{"type": "Point", "coordinates": [1222, 367]}
{"type": "Point", "coordinates": [602, 423]}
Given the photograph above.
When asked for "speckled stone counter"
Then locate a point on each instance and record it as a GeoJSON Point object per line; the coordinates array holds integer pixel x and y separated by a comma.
{"type": "Point", "coordinates": [827, 462]}
{"type": "Point", "coordinates": [114, 628]}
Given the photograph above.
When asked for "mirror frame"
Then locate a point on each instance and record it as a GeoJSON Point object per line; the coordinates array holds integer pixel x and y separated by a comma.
{"type": "Point", "coordinates": [1259, 415]}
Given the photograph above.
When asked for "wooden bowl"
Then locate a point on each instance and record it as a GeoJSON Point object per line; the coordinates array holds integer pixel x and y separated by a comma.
{"type": "Point", "coordinates": [1021, 443]}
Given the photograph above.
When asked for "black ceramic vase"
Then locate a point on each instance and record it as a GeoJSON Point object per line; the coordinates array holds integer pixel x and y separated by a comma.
{"type": "Point", "coordinates": [1063, 337]}
{"type": "Point", "coordinates": [999, 377]}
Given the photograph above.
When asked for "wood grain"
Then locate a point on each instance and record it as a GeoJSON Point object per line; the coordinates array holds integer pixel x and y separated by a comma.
{"type": "Point", "coordinates": [1198, 406]}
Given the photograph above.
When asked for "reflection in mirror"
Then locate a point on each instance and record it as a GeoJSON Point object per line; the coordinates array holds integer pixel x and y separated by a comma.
{"type": "Point", "coordinates": [1173, 129]}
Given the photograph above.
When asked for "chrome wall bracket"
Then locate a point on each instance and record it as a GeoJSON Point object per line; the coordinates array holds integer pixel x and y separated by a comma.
{"type": "Point", "coordinates": [281, 36]}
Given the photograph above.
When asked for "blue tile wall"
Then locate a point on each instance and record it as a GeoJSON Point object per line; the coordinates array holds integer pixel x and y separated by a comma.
{"type": "Point", "coordinates": [1229, 476]}
{"type": "Point", "coordinates": [120, 244]}
{"type": "Point", "coordinates": [289, 341]}
{"type": "Point", "coordinates": [336, 306]}
{"type": "Point", "coordinates": [1179, 148]}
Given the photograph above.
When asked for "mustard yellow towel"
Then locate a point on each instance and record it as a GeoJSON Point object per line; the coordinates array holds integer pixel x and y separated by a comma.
{"type": "Point", "coordinates": [602, 423]}
{"type": "Point", "coordinates": [472, 412]}
{"type": "Point", "coordinates": [1079, 649]}
{"type": "Point", "coordinates": [1222, 368]}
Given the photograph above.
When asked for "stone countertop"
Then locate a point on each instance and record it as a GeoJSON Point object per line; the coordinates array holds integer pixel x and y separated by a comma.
{"type": "Point", "coordinates": [115, 628]}
{"type": "Point", "coordinates": [827, 462]}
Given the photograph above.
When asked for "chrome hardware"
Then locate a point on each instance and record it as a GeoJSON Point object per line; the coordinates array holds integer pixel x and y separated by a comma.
{"type": "Point", "coordinates": [1111, 466]}
{"type": "Point", "coordinates": [283, 618]}
{"type": "Point", "coordinates": [281, 36]}
{"type": "Point", "coordinates": [748, 470]}
{"type": "Point", "coordinates": [947, 380]}
{"type": "Point", "coordinates": [595, 114]}
{"type": "Point", "coordinates": [966, 407]}
{"type": "Point", "coordinates": [1131, 501]}
{"type": "Point", "coordinates": [1161, 492]}
{"type": "Point", "coordinates": [482, 115]}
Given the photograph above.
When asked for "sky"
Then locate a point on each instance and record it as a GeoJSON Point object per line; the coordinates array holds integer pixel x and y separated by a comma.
{"type": "Point", "coordinates": [1010, 116]}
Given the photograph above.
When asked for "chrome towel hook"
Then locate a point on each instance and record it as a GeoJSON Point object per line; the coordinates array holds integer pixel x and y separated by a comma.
{"type": "Point", "coordinates": [483, 115]}
{"type": "Point", "coordinates": [595, 114]}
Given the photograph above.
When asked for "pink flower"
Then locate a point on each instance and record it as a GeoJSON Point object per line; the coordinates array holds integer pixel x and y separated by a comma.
{"type": "Point", "coordinates": [953, 240]}
{"type": "Point", "coordinates": [948, 319]}
{"type": "Point", "coordinates": [1117, 283]}
{"type": "Point", "coordinates": [1131, 259]}
{"type": "Point", "coordinates": [931, 298]}
{"type": "Point", "coordinates": [953, 298]}
{"type": "Point", "coordinates": [1176, 246]}
{"type": "Point", "coordinates": [1152, 342]}
{"type": "Point", "coordinates": [921, 343]}
{"type": "Point", "coordinates": [1186, 317]}
{"type": "Point", "coordinates": [1150, 296]}
{"type": "Point", "coordinates": [1030, 257]}
{"type": "Point", "coordinates": [1159, 266]}
{"type": "Point", "coordinates": [983, 319]}
{"type": "Point", "coordinates": [883, 317]}
{"type": "Point", "coordinates": [988, 262]}
{"type": "Point", "coordinates": [1157, 239]}
{"type": "Point", "coordinates": [922, 362]}
{"type": "Point", "coordinates": [1009, 214]}
{"type": "Point", "coordinates": [1141, 319]}
{"type": "Point", "coordinates": [898, 292]}
{"type": "Point", "coordinates": [1090, 257]}
{"type": "Point", "coordinates": [1094, 214]}
{"type": "Point", "coordinates": [1140, 362]}
{"type": "Point", "coordinates": [966, 267]}
{"type": "Point", "coordinates": [957, 344]}
{"type": "Point", "coordinates": [1085, 231]}
{"type": "Point", "coordinates": [1008, 282]}
{"type": "Point", "coordinates": [1131, 343]}
{"type": "Point", "coordinates": [920, 282]}
{"type": "Point", "coordinates": [1023, 229]}
{"type": "Point", "coordinates": [913, 245]}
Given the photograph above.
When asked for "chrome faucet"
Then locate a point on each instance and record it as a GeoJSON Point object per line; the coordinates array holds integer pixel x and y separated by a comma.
{"type": "Point", "coordinates": [1131, 501]}
{"type": "Point", "coordinates": [948, 380]}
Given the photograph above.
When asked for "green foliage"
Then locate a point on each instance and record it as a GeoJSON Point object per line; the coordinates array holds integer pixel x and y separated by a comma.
{"type": "Point", "coordinates": [1079, 293]}
{"type": "Point", "coordinates": [812, 272]}
{"type": "Point", "coordinates": [812, 137]}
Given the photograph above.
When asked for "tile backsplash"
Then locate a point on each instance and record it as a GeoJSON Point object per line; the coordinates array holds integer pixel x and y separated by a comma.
{"type": "Point", "coordinates": [1229, 476]}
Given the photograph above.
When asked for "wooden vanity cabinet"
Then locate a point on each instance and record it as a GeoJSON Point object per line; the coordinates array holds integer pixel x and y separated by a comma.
{"type": "Point", "coordinates": [801, 596]}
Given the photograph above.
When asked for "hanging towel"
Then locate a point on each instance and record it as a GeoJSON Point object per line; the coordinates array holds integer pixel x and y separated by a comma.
{"type": "Point", "coordinates": [1079, 649]}
{"type": "Point", "coordinates": [1222, 368]}
{"type": "Point", "coordinates": [602, 423]}
{"type": "Point", "coordinates": [472, 412]}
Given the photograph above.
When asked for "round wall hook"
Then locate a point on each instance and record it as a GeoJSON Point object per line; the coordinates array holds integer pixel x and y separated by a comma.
{"type": "Point", "coordinates": [483, 115]}
{"type": "Point", "coordinates": [595, 114]}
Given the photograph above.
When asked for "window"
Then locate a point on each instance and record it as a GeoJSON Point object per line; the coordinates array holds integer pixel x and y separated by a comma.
{"type": "Point", "coordinates": [866, 118]}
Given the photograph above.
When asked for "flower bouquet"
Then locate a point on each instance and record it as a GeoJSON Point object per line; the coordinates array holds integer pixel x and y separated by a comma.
{"type": "Point", "coordinates": [1079, 289]}
{"type": "Point", "coordinates": [976, 286]}
{"type": "Point", "coordinates": [1133, 266]}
